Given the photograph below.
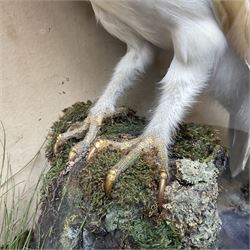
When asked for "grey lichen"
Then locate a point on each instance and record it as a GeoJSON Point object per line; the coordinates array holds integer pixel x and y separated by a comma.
{"type": "Point", "coordinates": [194, 172]}
{"type": "Point", "coordinates": [191, 203]}
{"type": "Point", "coordinates": [118, 217]}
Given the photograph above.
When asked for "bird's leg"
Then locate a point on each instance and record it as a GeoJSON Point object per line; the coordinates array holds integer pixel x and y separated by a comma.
{"type": "Point", "coordinates": [139, 146]}
{"type": "Point", "coordinates": [76, 132]}
{"type": "Point", "coordinates": [185, 78]}
{"type": "Point", "coordinates": [92, 123]}
{"type": "Point", "coordinates": [135, 61]}
{"type": "Point", "coordinates": [105, 143]}
{"type": "Point", "coordinates": [95, 123]}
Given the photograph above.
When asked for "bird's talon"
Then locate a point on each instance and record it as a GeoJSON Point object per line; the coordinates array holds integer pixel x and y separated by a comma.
{"type": "Point", "coordinates": [163, 181]}
{"type": "Point", "coordinates": [104, 143]}
{"type": "Point", "coordinates": [110, 179]}
{"type": "Point", "coordinates": [77, 125]}
{"type": "Point", "coordinates": [73, 153]}
{"type": "Point", "coordinates": [91, 153]}
{"type": "Point", "coordinates": [59, 142]}
{"type": "Point", "coordinates": [97, 145]}
{"type": "Point", "coordinates": [92, 123]}
{"type": "Point", "coordinates": [99, 120]}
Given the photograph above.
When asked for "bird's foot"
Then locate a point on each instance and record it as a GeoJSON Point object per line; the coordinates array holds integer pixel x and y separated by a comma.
{"type": "Point", "coordinates": [91, 125]}
{"type": "Point", "coordinates": [137, 147]}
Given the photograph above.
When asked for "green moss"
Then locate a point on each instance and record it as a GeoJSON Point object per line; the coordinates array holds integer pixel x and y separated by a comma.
{"type": "Point", "coordinates": [151, 235]}
{"type": "Point", "coordinates": [76, 113]}
{"type": "Point", "coordinates": [126, 123]}
{"type": "Point", "coordinates": [144, 231]}
{"type": "Point", "coordinates": [133, 198]}
{"type": "Point", "coordinates": [135, 193]}
{"type": "Point", "coordinates": [195, 142]}
{"type": "Point", "coordinates": [192, 141]}
{"type": "Point", "coordinates": [138, 183]}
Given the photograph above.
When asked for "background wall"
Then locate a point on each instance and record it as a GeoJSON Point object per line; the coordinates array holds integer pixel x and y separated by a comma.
{"type": "Point", "coordinates": [53, 54]}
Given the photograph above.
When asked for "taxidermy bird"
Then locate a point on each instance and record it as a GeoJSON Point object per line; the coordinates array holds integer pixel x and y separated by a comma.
{"type": "Point", "coordinates": [211, 41]}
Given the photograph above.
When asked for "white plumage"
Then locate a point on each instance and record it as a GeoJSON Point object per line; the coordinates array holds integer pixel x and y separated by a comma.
{"type": "Point", "coordinates": [202, 60]}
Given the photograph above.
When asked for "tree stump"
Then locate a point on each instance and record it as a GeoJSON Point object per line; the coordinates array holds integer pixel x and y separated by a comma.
{"type": "Point", "coordinates": [76, 213]}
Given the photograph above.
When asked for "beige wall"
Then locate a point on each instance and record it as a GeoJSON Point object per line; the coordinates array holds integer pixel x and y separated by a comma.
{"type": "Point", "coordinates": [53, 54]}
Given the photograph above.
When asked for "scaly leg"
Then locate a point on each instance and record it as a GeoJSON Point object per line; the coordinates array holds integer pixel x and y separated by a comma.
{"type": "Point", "coordinates": [103, 143]}
{"type": "Point", "coordinates": [92, 124]}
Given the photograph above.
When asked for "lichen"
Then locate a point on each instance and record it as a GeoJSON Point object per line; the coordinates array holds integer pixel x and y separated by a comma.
{"type": "Point", "coordinates": [194, 172]}
{"type": "Point", "coordinates": [192, 208]}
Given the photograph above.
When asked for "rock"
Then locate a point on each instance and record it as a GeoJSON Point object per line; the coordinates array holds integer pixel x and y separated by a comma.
{"type": "Point", "coordinates": [191, 203]}
{"type": "Point", "coordinates": [76, 213]}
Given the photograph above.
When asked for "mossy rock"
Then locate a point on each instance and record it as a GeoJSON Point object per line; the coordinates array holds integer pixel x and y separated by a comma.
{"type": "Point", "coordinates": [76, 212]}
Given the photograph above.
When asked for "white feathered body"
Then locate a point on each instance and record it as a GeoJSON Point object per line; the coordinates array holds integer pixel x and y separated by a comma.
{"type": "Point", "coordinates": [202, 60]}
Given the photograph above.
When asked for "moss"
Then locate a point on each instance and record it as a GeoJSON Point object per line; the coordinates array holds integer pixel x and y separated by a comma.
{"type": "Point", "coordinates": [133, 199]}
{"type": "Point", "coordinates": [71, 115]}
{"type": "Point", "coordinates": [195, 142]}
{"type": "Point", "coordinates": [132, 206]}
{"type": "Point", "coordinates": [76, 113]}
{"type": "Point", "coordinates": [138, 183]}
{"type": "Point", "coordinates": [126, 123]}
{"type": "Point", "coordinates": [203, 138]}
{"type": "Point", "coordinates": [145, 232]}
{"type": "Point", "coordinates": [151, 235]}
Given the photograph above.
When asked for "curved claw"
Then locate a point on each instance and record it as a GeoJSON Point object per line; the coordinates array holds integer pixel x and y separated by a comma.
{"type": "Point", "coordinates": [59, 142]}
{"type": "Point", "coordinates": [73, 153]}
{"type": "Point", "coordinates": [91, 152]}
{"type": "Point", "coordinates": [81, 148]}
{"type": "Point", "coordinates": [98, 144]}
{"type": "Point", "coordinates": [110, 179]}
{"type": "Point", "coordinates": [78, 151]}
{"type": "Point", "coordinates": [75, 131]}
{"type": "Point", "coordinates": [122, 165]}
{"type": "Point", "coordinates": [163, 181]}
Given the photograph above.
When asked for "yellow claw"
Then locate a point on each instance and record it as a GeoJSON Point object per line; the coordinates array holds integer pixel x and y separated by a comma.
{"type": "Point", "coordinates": [73, 153]}
{"type": "Point", "coordinates": [59, 142]}
{"type": "Point", "coordinates": [110, 179]}
{"type": "Point", "coordinates": [99, 144]}
{"type": "Point", "coordinates": [99, 120]}
{"type": "Point", "coordinates": [91, 153]}
{"type": "Point", "coordinates": [163, 180]}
